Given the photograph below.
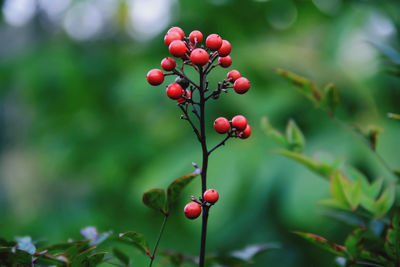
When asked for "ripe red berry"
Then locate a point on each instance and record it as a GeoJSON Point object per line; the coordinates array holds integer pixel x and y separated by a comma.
{"type": "Point", "coordinates": [177, 48]}
{"type": "Point", "coordinates": [246, 133]}
{"type": "Point", "coordinates": [241, 85]}
{"type": "Point", "coordinates": [174, 91]}
{"type": "Point", "coordinates": [195, 37]}
{"type": "Point", "coordinates": [192, 210]}
{"type": "Point", "coordinates": [222, 125]}
{"type": "Point", "coordinates": [225, 48]}
{"type": "Point", "coordinates": [233, 75]}
{"type": "Point", "coordinates": [211, 196]}
{"type": "Point", "coordinates": [239, 122]}
{"type": "Point", "coordinates": [171, 36]}
{"type": "Point", "coordinates": [199, 57]}
{"type": "Point", "coordinates": [168, 64]}
{"type": "Point", "coordinates": [178, 30]}
{"type": "Point", "coordinates": [214, 42]}
{"type": "Point", "coordinates": [225, 62]}
{"type": "Point", "coordinates": [155, 77]}
{"type": "Point", "coordinates": [187, 95]}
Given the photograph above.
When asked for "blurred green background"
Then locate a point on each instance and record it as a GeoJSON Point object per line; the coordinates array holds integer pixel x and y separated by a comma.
{"type": "Point", "coordinates": [82, 134]}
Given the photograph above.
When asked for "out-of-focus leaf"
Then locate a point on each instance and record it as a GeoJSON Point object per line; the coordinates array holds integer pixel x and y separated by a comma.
{"type": "Point", "coordinates": [138, 240]}
{"type": "Point", "coordinates": [337, 190]}
{"type": "Point", "coordinates": [77, 248]}
{"type": "Point", "coordinates": [121, 256]}
{"type": "Point", "coordinates": [397, 173]}
{"type": "Point", "coordinates": [370, 190]}
{"type": "Point", "coordinates": [176, 187]}
{"type": "Point", "coordinates": [5, 243]}
{"type": "Point", "coordinates": [155, 199]}
{"type": "Point", "coordinates": [334, 203]}
{"type": "Point", "coordinates": [331, 98]}
{"type": "Point", "coordinates": [273, 133]}
{"type": "Point", "coordinates": [320, 168]}
{"type": "Point", "coordinates": [10, 256]}
{"type": "Point", "coordinates": [352, 192]}
{"type": "Point", "coordinates": [382, 205]}
{"type": "Point", "coordinates": [177, 258]}
{"type": "Point", "coordinates": [294, 137]}
{"type": "Point", "coordinates": [49, 260]}
{"type": "Point", "coordinates": [370, 256]}
{"type": "Point", "coordinates": [324, 244]}
{"type": "Point", "coordinates": [25, 243]}
{"type": "Point", "coordinates": [392, 242]}
{"type": "Point", "coordinates": [372, 135]}
{"type": "Point", "coordinates": [249, 252]}
{"type": "Point", "coordinates": [95, 259]}
{"type": "Point", "coordinates": [53, 248]}
{"type": "Point", "coordinates": [354, 242]}
{"type": "Point", "coordinates": [80, 259]}
{"type": "Point", "coordinates": [307, 87]}
{"type": "Point", "coordinates": [394, 116]}
{"type": "Point", "coordinates": [388, 51]}
{"type": "Point", "coordinates": [345, 217]}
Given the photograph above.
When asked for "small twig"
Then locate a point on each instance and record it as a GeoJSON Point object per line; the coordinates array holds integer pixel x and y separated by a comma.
{"type": "Point", "coordinates": [219, 144]}
{"type": "Point", "coordinates": [186, 117]}
{"type": "Point", "coordinates": [158, 239]}
{"type": "Point", "coordinates": [183, 75]}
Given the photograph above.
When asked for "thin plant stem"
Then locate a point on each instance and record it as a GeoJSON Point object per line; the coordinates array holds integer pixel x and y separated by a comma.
{"type": "Point", "coordinates": [158, 239]}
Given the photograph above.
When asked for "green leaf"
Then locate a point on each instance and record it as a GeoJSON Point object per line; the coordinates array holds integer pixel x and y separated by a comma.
{"type": "Point", "coordinates": [176, 187]}
{"type": "Point", "coordinates": [121, 256]}
{"type": "Point", "coordinates": [337, 190]}
{"type": "Point", "coordinates": [331, 98]}
{"type": "Point", "coordinates": [394, 116]}
{"type": "Point", "coordinates": [308, 88]}
{"type": "Point", "coordinates": [76, 248]}
{"type": "Point", "coordinates": [294, 137]}
{"type": "Point", "coordinates": [370, 190]}
{"type": "Point", "coordinates": [382, 205]}
{"type": "Point", "coordinates": [392, 242]}
{"type": "Point", "coordinates": [324, 244]}
{"type": "Point", "coordinates": [155, 199]}
{"type": "Point", "coordinates": [354, 243]}
{"type": "Point", "coordinates": [9, 256]}
{"type": "Point", "coordinates": [138, 240]}
{"type": "Point", "coordinates": [320, 168]}
{"type": "Point", "coordinates": [47, 259]}
{"type": "Point", "coordinates": [95, 259]}
{"type": "Point", "coordinates": [334, 203]}
{"type": "Point", "coordinates": [82, 258]}
{"type": "Point", "coordinates": [273, 133]}
{"type": "Point", "coordinates": [370, 256]}
{"type": "Point", "coordinates": [372, 135]}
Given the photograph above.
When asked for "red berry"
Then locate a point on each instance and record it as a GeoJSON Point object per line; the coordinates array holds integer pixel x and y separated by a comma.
{"type": "Point", "coordinates": [177, 48]}
{"type": "Point", "coordinates": [155, 77]}
{"type": "Point", "coordinates": [174, 91]}
{"type": "Point", "coordinates": [222, 125]}
{"type": "Point", "coordinates": [178, 30]}
{"type": "Point", "coordinates": [171, 36]}
{"type": "Point", "coordinates": [225, 62]}
{"type": "Point", "coordinates": [241, 85]}
{"type": "Point", "coordinates": [225, 48]}
{"type": "Point", "coordinates": [214, 42]}
{"type": "Point", "coordinates": [211, 196]}
{"type": "Point", "coordinates": [246, 133]}
{"type": "Point", "coordinates": [168, 64]}
{"type": "Point", "coordinates": [195, 37]}
{"type": "Point", "coordinates": [192, 210]}
{"type": "Point", "coordinates": [187, 95]}
{"type": "Point", "coordinates": [233, 75]}
{"type": "Point", "coordinates": [199, 57]}
{"type": "Point", "coordinates": [239, 122]}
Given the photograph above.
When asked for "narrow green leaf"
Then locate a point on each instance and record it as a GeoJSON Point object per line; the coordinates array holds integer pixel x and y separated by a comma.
{"type": "Point", "coordinates": [370, 256]}
{"type": "Point", "coordinates": [337, 190]}
{"type": "Point", "coordinates": [385, 202]}
{"type": "Point", "coordinates": [370, 190]}
{"type": "Point", "coordinates": [294, 137]}
{"type": "Point", "coordinates": [331, 98]}
{"type": "Point", "coordinates": [80, 259]}
{"type": "Point", "coordinates": [392, 242]}
{"type": "Point", "coordinates": [388, 51]}
{"type": "Point", "coordinates": [308, 88]}
{"type": "Point", "coordinates": [95, 259]}
{"type": "Point", "coordinates": [155, 198]}
{"type": "Point", "coordinates": [77, 248]}
{"type": "Point", "coordinates": [47, 259]}
{"type": "Point", "coordinates": [176, 187]}
{"type": "Point", "coordinates": [394, 116]}
{"type": "Point", "coordinates": [354, 242]}
{"type": "Point", "coordinates": [352, 192]}
{"type": "Point", "coordinates": [324, 244]}
{"type": "Point", "coordinates": [273, 133]}
{"type": "Point", "coordinates": [320, 168]}
{"type": "Point", "coordinates": [138, 240]}
{"type": "Point", "coordinates": [121, 256]}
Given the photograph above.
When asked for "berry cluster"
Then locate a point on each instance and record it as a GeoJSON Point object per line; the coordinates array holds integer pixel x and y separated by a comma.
{"type": "Point", "coordinates": [192, 210]}
{"type": "Point", "coordinates": [203, 58]}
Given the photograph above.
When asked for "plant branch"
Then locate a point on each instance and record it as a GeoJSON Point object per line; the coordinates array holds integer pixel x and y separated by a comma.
{"type": "Point", "coordinates": [186, 117]}
{"type": "Point", "coordinates": [220, 143]}
{"type": "Point", "coordinates": [158, 239]}
{"type": "Point", "coordinates": [182, 74]}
